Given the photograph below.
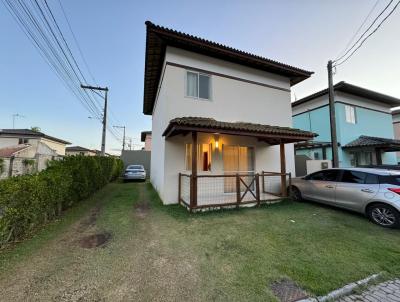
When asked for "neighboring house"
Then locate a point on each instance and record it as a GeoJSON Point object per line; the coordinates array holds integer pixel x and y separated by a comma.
{"type": "Point", "coordinates": [24, 151]}
{"type": "Point", "coordinates": [25, 158]}
{"type": "Point", "coordinates": [13, 137]}
{"type": "Point", "coordinates": [363, 125]}
{"type": "Point", "coordinates": [146, 138]}
{"type": "Point", "coordinates": [220, 117]}
{"type": "Point", "coordinates": [396, 128]}
{"type": "Point", "coordinates": [78, 150]}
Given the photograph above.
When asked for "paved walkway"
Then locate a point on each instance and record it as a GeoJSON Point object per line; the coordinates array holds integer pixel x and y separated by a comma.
{"type": "Point", "coordinates": [384, 292]}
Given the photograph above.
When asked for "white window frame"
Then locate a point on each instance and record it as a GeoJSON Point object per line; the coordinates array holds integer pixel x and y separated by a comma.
{"type": "Point", "coordinates": [198, 85]}
{"type": "Point", "coordinates": [350, 114]}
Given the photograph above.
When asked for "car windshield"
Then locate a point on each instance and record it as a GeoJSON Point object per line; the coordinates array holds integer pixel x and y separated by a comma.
{"type": "Point", "coordinates": [135, 167]}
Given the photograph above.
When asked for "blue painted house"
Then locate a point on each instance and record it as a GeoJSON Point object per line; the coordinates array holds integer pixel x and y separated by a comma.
{"type": "Point", "coordinates": [363, 124]}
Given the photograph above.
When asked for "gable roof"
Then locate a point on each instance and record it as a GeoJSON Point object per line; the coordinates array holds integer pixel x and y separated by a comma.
{"type": "Point", "coordinates": [387, 144]}
{"type": "Point", "coordinates": [158, 38]}
{"type": "Point", "coordinates": [272, 134]}
{"type": "Point", "coordinates": [144, 134]}
{"type": "Point", "coordinates": [30, 133]}
{"type": "Point", "coordinates": [12, 150]}
{"type": "Point", "coordinates": [354, 90]}
{"type": "Point", "coordinates": [79, 149]}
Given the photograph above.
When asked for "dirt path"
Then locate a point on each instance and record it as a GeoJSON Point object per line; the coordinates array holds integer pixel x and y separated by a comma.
{"type": "Point", "coordinates": [115, 253]}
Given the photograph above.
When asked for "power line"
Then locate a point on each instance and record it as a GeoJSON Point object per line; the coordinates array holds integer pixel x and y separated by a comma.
{"type": "Point", "coordinates": [76, 42]}
{"type": "Point", "coordinates": [361, 26]}
{"type": "Point", "coordinates": [363, 41]}
{"type": "Point", "coordinates": [369, 27]}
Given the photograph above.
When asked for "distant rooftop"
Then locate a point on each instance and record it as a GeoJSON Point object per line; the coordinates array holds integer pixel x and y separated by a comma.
{"type": "Point", "coordinates": [26, 133]}
{"type": "Point", "coordinates": [144, 134]}
{"type": "Point", "coordinates": [12, 150]}
{"type": "Point", "coordinates": [354, 90]}
{"type": "Point", "coordinates": [79, 149]}
{"type": "Point", "coordinates": [158, 38]}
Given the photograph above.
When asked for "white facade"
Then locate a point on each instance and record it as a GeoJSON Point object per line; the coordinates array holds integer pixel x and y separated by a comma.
{"type": "Point", "coordinates": [8, 141]}
{"type": "Point", "coordinates": [238, 94]}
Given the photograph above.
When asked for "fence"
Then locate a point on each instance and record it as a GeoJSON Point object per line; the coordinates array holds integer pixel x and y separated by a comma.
{"type": "Point", "coordinates": [231, 189]}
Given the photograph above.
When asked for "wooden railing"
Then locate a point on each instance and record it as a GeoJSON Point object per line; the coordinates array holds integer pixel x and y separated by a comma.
{"type": "Point", "coordinates": [227, 190]}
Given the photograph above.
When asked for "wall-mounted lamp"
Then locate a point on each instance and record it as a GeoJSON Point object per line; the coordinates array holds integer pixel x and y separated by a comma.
{"type": "Point", "coordinates": [216, 138]}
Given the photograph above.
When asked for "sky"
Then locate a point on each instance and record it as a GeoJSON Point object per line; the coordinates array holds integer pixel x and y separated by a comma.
{"type": "Point", "coordinates": [111, 35]}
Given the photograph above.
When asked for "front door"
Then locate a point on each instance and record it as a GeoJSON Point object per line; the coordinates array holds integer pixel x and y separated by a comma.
{"type": "Point", "coordinates": [237, 159]}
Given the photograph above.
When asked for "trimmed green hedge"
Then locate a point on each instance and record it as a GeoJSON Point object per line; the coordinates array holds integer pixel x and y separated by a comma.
{"type": "Point", "coordinates": [29, 201]}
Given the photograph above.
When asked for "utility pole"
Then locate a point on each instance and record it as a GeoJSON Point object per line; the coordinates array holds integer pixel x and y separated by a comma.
{"type": "Point", "coordinates": [103, 135]}
{"type": "Point", "coordinates": [332, 117]}
{"type": "Point", "coordinates": [123, 140]}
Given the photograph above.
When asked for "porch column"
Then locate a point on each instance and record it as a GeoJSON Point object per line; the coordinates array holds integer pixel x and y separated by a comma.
{"type": "Point", "coordinates": [193, 195]}
{"type": "Point", "coordinates": [283, 169]}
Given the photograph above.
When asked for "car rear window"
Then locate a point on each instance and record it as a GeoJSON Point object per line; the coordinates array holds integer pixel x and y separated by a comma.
{"type": "Point", "coordinates": [135, 167]}
{"type": "Point", "coordinates": [390, 179]}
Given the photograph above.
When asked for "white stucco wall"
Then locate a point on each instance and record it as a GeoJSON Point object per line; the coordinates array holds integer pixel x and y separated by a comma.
{"type": "Point", "coordinates": [232, 101]}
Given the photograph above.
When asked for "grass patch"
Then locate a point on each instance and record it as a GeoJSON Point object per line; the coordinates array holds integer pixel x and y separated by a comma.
{"type": "Point", "coordinates": [231, 255]}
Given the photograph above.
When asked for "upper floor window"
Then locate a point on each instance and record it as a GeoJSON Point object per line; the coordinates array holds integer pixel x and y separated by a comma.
{"type": "Point", "coordinates": [23, 141]}
{"type": "Point", "coordinates": [198, 85]}
{"type": "Point", "coordinates": [350, 114]}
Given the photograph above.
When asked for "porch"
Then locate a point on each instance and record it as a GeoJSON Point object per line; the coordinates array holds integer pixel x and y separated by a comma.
{"type": "Point", "coordinates": [241, 154]}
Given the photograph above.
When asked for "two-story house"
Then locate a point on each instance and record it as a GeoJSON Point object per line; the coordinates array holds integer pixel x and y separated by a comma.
{"type": "Point", "coordinates": [221, 117]}
{"type": "Point", "coordinates": [363, 126]}
{"type": "Point", "coordinates": [14, 137]}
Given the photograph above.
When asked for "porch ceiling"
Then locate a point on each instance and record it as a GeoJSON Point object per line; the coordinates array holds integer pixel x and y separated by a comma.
{"type": "Point", "coordinates": [385, 144]}
{"type": "Point", "coordinates": [272, 135]}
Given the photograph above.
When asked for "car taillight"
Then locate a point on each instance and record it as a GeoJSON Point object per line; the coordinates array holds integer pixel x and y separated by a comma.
{"type": "Point", "coordinates": [395, 190]}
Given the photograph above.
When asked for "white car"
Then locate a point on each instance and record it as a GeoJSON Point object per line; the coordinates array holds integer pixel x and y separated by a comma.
{"type": "Point", "coordinates": [135, 172]}
{"type": "Point", "coordinates": [373, 192]}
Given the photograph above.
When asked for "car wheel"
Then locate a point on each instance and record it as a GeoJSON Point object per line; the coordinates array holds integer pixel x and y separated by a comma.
{"type": "Point", "coordinates": [384, 215]}
{"type": "Point", "coordinates": [296, 194]}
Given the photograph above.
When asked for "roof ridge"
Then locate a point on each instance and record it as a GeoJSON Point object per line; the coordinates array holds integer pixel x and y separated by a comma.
{"type": "Point", "coordinates": [156, 26]}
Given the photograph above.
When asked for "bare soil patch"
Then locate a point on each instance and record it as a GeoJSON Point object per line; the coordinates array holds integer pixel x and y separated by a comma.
{"type": "Point", "coordinates": [94, 240]}
{"type": "Point", "coordinates": [288, 291]}
{"type": "Point", "coordinates": [142, 209]}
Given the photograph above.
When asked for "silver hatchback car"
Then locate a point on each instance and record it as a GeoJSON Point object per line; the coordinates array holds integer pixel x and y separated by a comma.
{"type": "Point", "coordinates": [373, 192]}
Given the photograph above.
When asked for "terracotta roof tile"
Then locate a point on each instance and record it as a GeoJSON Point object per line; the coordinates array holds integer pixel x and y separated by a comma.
{"type": "Point", "coordinates": [10, 151]}
{"type": "Point", "coordinates": [246, 128]}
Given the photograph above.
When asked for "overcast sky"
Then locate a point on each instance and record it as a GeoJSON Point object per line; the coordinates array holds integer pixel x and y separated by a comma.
{"type": "Point", "coordinates": [111, 34]}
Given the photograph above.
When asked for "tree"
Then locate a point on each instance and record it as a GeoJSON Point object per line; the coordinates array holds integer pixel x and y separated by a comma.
{"type": "Point", "coordinates": [35, 128]}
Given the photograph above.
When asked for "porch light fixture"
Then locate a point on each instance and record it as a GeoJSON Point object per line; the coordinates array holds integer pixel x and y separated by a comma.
{"type": "Point", "coordinates": [216, 138]}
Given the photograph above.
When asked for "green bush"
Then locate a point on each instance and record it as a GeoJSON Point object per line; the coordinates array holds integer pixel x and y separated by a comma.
{"type": "Point", "coordinates": [29, 201]}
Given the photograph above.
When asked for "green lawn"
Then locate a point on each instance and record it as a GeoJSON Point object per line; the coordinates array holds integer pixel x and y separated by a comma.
{"type": "Point", "coordinates": [164, 253]}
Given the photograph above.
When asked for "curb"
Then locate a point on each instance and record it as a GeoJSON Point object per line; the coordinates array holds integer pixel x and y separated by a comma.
{"type": "Point", "coordinates": [345, 290]}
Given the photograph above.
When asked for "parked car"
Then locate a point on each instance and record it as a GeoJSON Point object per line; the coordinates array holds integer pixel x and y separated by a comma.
{"type": "Point", "coordinates": [373, 192]}
{"type": "Point", "coordinates": [135, 172]}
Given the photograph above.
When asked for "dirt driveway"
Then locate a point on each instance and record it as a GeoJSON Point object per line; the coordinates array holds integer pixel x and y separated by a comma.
{"type": "Point", "coordinates": [113, 253]}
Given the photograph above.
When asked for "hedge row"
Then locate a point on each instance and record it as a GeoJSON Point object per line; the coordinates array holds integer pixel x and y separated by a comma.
{"type": "Point", "coordinates": [29, 201]}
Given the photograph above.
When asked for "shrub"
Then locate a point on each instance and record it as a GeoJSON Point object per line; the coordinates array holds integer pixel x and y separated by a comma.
{"type": "Point", "coordinates": [29, 201]}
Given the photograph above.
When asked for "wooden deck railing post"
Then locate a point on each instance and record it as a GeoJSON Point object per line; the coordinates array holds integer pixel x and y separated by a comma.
{"type": "Point", "coordinates": [179, 188]}
{"type": "Point", "coordinates": [263, 181]}
{"type": "Point", "coordinates": [237, 189]}
{"type": "Point", "coordinates": [193, 195]}
{"type": "Point", "coordinates": [283, 170]}
{"type": "Point", "coordinates": [258, 189]}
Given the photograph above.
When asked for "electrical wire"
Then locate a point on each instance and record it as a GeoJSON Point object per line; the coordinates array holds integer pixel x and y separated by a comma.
{"type": "Point", "coordinates": [365, 32]}
{"type": "Point", "coordinates": [365, 39]}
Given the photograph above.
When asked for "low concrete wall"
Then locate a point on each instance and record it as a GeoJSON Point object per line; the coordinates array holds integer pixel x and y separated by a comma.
{"type": "Point", "coordinates": [137, 157]}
